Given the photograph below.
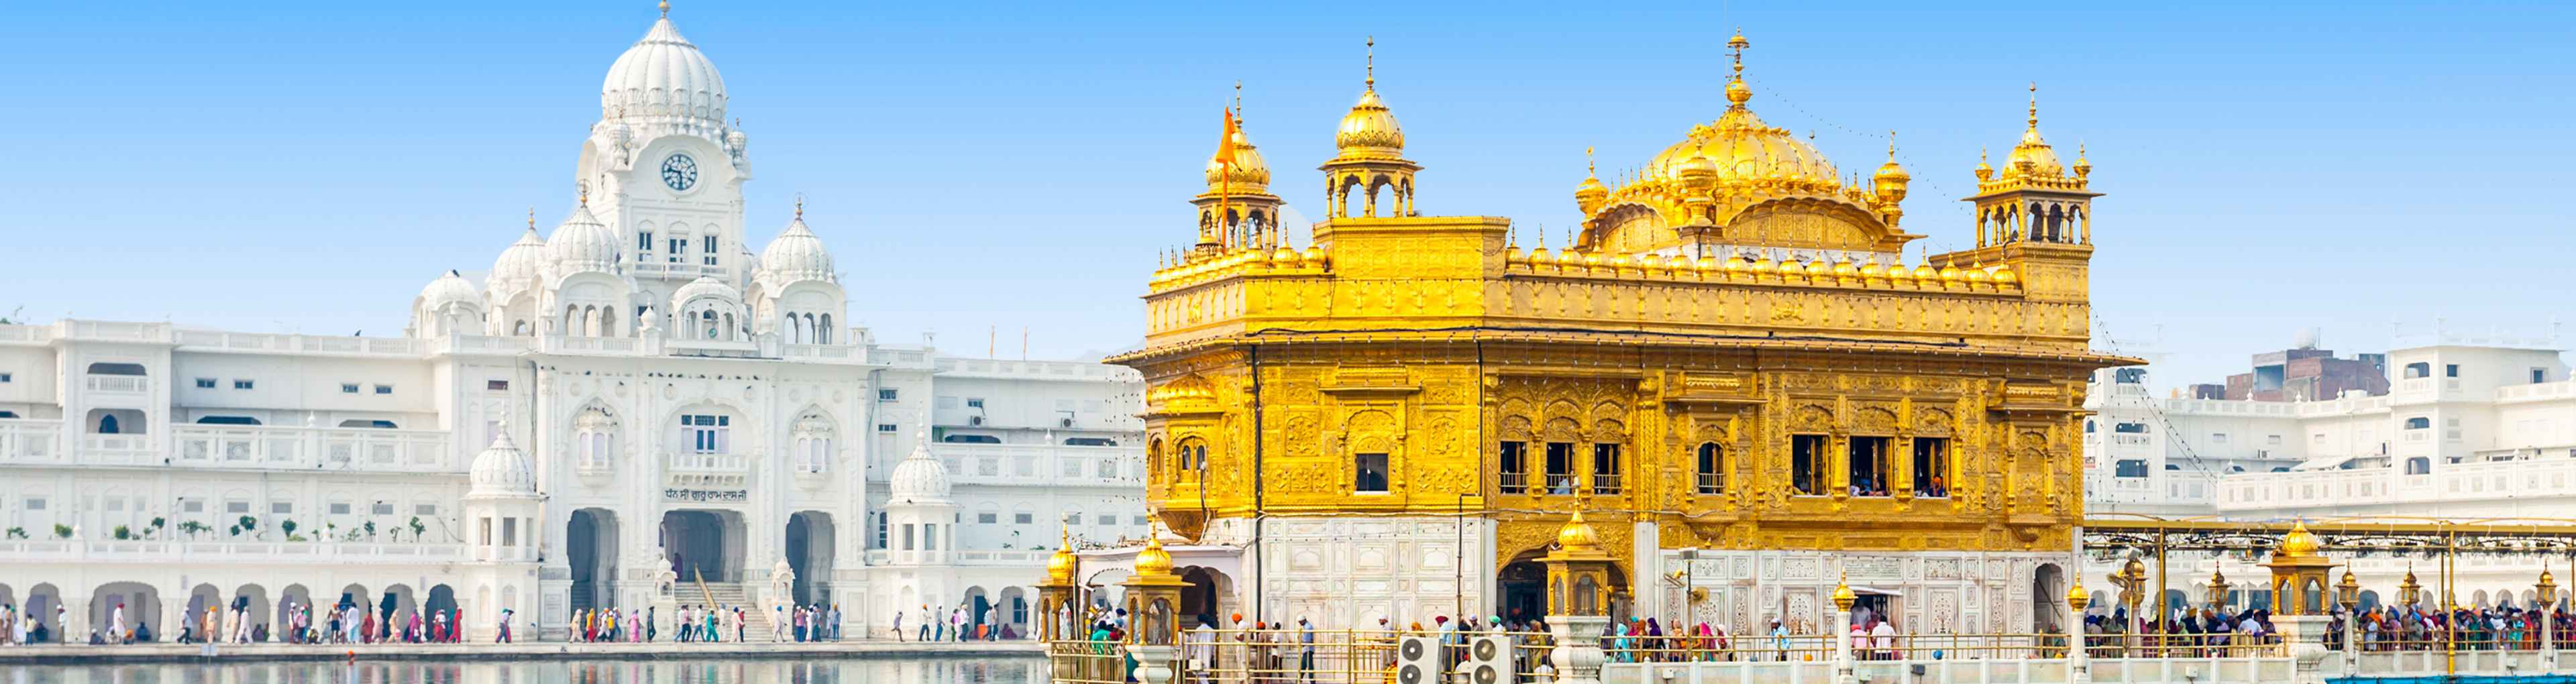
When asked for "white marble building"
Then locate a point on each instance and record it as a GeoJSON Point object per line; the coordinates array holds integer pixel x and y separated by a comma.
{"type": "Point", "coordinates": [2474, 427]}
{"type": "Point", "coordinates": [629, 410]}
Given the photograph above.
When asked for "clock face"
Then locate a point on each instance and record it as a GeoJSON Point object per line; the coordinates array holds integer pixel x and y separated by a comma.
{"type": "Point", "coordinates": [680, 172]}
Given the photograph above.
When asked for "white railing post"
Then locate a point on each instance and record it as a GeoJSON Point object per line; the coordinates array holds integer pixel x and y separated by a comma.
{"type": "Point", "coordinates": [1577, 656]}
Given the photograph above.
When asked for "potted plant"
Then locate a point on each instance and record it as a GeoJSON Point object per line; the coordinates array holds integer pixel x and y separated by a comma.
{"type": "Point", "coordinates": [249, 524]}
{"type": "Point", "coordinates": [17, 533]}
{"type": "Point", "coordinates": [371, 530]}
{"type": "Point", "coordinates": [62, 531]}
{"type": "Point", "coordinates": [417, 529]}
{"type": "Point", "coordinates": [154, 529]}
{"type": "Point", "coordinates": [193, 528]}
{"type": "Point", "coordinates": [288, 526]}
{"type": "Point", "coordinates": [122, 533]}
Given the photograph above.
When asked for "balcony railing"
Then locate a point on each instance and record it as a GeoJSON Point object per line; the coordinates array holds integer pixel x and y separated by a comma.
{"type": "Point", "coordinates": [688, 462]}
{"type": "Point", "coordinates": [294, 447]}
{"type": "Point", "coordinates": [183, 551]}
{"type": "Point", "coordinates": [117, 450]}
{"type": "Point", "coordinates": [31, 441]}
{"type": "Point", "coordinates": [131, 384]}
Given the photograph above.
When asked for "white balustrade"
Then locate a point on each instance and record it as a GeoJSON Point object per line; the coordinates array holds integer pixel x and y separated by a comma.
{"type": "Point", "coordinates": [31, 441]}
{"type": "Point", "coordinates": [129, 384]}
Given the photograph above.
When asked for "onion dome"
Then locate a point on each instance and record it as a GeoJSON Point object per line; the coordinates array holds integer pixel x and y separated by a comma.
{"type": "Point", "coordinates": [1369, 131]}
{"type": "Point", "coordinates": [1062, 565]}
{"type": "Point", "coordinates": [1245, 173]}
{"type": "Point", "coordinates": [1926, 272]}
{"type": "Point", "coordinates": [1890, 180]}
{"type": "Point", "coordinates": [2300, 542]}
{"type": "Point", "coordinates": [1843, 596]}
{"type": "Point", "coordinates": [1577, 534]}
{"type": "Point", "coordinates": [2083, 167]}
{"type": "Point", "coordinates": [582, 243]}
{"type": "Point", "coordinates": [1698, 172]}
{"type": "Point", "coordinates": [704, 286]}
{"type": "Point", "coordinates": [2032, 156]}
{"type": "Point", "coordinates": [796, 254]}
{"type": "Point", "coordinates": [524, 259]}
{"type": "Point", "coordinates": [1747, 150]}
{"type": "Point", "coordinates": [663, 75]}
{"type": "Point", "coordinates": [1153, 561]}
{"type": "Point", "coordinates": [449, 290]}
{"type": "Point", "coordinates": [919, 478]}
{"type": "Point", "coordinates": [1984, 172]}
{"type": "Point", "coordinates": [502, 469]}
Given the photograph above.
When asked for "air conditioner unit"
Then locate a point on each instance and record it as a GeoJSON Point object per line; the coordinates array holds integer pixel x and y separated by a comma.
{"type": "Point", "coordinates": [1489, 660]}
{"type": "Point", "coordinates": [974, 420]}
{"type": "Point", "coordinates": [1417, 660]}
{"type": "Point", "coordinates": [1067, 422]}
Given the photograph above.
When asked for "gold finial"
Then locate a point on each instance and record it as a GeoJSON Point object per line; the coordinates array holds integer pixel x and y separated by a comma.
{"type": "Point", "coordinates": [532, 218]}
{"type": "Point", "coordinates": [1238, 99]}
{"type": "Point", "coordinates": [585, 193]}
{"type": "Point", "coordinates": [1736, 46]}
{"type": "Point", "coordinates": [666, 9]}
{"type": "Point", "coordinates": [2034, 104]}
{"type": "Point", "coordinates": [1588, 168]}
{"type": "Point", "coordinates": [1372, 63]}
{"type": "Point", "coordinates": [1891, 145]}
{"type": "Point", "coordinates": [800, 206]}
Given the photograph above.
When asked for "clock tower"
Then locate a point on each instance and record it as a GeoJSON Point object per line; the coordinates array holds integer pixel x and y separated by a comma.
{"type": "Point", "coordinates": [665, 170]}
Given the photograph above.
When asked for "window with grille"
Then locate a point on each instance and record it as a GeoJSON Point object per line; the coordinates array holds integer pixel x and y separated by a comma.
{"type": "Point", "coordinates": [1368, 473]}
{"type": "Point", "coordinates": [1560, 468]}
{"type": "Point", "coordinates": [1712, 468]}
{"type": "Point", "coordinates": [1806, 470]}
{"type": "Point", "coordinates": [1931, 466]}
{"type": "Point", "coordinates": [1511, 476]}
{"type": "Point", "coordinates": [1868, 459]}
{"type": "Point", "coordinates": [1605, 468]}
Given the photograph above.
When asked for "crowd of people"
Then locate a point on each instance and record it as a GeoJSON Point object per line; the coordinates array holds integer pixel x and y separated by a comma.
{"type": "Point", "coordinates": [946, 624]}
{"type": "Point", "coordinates": [705, 624]}
{"type": "Point", "coordinates": [16, 629]}
{"type": "Point", "coordinates": [2410, 628]}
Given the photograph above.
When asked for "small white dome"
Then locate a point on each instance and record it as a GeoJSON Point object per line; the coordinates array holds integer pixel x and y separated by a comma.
{"type": "Point", "coordinates": [502, 469]}
{"type": "Point", "coordinates": [450, 289]}
{"type": "Point", "coordinates": [704, 286]}
{"type": "Point", "coordinates": [796, 254]}
{"type": "Point", "coordinates": [523, 260]}
{"type": "Point", "coordinates": [663, 75]}
{"type": "Point", "coordinates": [919, 478]}
{"type": "Point", "coordinates": [582, 243]}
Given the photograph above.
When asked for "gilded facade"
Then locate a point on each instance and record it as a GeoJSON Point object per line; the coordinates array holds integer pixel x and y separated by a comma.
{"type": "Point", "coordinates": [1731, 356]}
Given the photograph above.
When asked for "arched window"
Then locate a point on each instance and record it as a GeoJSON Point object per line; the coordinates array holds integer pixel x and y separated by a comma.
{"type": "Point", "coordinates": [593, 438]}
{"type": "Point", "coordinates": [2419, 423]}
{"type": "Point", "coordinates": [1712, 468]}
{"type": "Point", "coordinates": [2419, 466]}
{"type": "Point", "coordinates": [823, 330]}
{"type": "Point", "coordinates": [813, 434]}
{"type": "Point", "coordinates": [707, 320]}
{"type": "Point", "coordinates": [2419, 369]}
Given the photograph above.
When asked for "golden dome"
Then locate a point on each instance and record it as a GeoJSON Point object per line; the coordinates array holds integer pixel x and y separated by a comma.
{"type": "Point", "coordinates": [1873, 270]}
{"type": "Point", "coordinates": [1577, 534]}
{"type": "Point", "coordinates": [1247, 174]}
{"type": "Point", "coordinates": [1926, 272]}
{"type": "Point", "coordinates": [1890, 180]}
{"type": "Point", "coordinates": [1744, 149]}
{"type": "Point", "coordinates": [1845, 269]}
{"type": "Point", "coordinates": [1369, 131]}
{"type": "Point", "coordinates": [2083, 168]}
{"type": "Point", "coordinates": [2032, 156]}
{"type": "Point", "coordinates": [1060, 567]}
{"type": "Point", "coordinates": [2004, 275]}
{"type": "Point", "coordinates": [2300, 542]}
{"type": "Point", "coordinates": [2076, 596]}
{"type": "Point", "coordinates": [1984, 172]}
{"type": "Point", "coordinates": [1950, 272]}
{"type": "Point", "coordinates": [1153, 560]}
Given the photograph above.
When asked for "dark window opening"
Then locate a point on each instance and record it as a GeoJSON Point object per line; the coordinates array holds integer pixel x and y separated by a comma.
{"type": "Point", "coordinates": [1712, 468]}
{"type": "Point", "coordinates": [1512, 477]}
{"type": "Point", "coordinates": [1560, 468]}
{"type": "Point", "coordinates": [1806, 475]}
{"type": "Point", "coordinates": [1369, 473]}
{"type": "Point", "coordinates": [1868, 465]}
{"type": "Point", "coordinates": [1090, 441]}
{"type": "Point", "coordinates": [227, 420]}
{"type": "Point", "coordinates": [970, 439]}
{"type": "Point", "coordinates": [1605, 468]}
{"type": "Point", "coordinates": [2131, 468]}
{"type": "Point", "coordinates": [1931, 466]}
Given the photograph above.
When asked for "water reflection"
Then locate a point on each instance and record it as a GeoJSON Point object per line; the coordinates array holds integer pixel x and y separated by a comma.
{"type": "Point", "coordinates": [957, 670]}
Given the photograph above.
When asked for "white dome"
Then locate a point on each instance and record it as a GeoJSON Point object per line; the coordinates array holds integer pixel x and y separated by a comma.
{"type": "Point", "coordinates": [919, 478]}
{"type": "Point", "coordinates": [502, 469]}
{"type": "Point", "coordinates": [704, 286]}
{"type": "Point", "coordinates": [523, 260]}
{"type": "Point", "coordinates": [582, 243]}
{"type": "Point", "coordinates": [796, 254]}
{"type": "Point", "coordinates": [663, 75]}
{"type": "Point", "coordinates": [449, 289]}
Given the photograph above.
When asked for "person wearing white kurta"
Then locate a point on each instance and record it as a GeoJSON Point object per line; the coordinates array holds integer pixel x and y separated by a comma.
{"type": "Point", "coordinates": [116, 624]}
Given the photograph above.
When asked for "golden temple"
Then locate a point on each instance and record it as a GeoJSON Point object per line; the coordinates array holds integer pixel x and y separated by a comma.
{"type": "Point", "coordinates": [1731, 355]}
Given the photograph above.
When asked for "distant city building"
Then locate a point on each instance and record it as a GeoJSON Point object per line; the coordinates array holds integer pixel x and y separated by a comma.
{"type": "Point", "coordinates": [2473, 427]}
{"type": "Point", "coordinates": [2302, 373]}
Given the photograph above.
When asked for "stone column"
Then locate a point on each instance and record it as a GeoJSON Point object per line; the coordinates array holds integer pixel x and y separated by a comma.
{"type": "Point", "coordinates": [1843, 600]}
{"type": "Point", "coordinates": [1577, 656]}
{"type": "Point", "coordinates": [2305, 635]}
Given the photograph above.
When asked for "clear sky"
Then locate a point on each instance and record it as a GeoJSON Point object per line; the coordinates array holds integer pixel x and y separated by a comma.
{"type": "Point", "coordinates": [309, 166]}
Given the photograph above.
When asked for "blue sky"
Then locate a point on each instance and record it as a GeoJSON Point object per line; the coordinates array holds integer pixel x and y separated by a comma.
{"type": "Point", "coordinates": [308, 166]}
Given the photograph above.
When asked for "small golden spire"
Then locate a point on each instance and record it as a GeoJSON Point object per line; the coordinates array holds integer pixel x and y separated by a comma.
{"type": "Point", "coordinates": [1891, 145]}
{"type": "Point", "coordinates": [585, 194]}
{"type": "Point", "coordinates": [532, 218]}
{"type": "Point", "coordinates": [800, 206]}
{"type": "Point", "coordinates": [1736, 46]}
{"type": "Point", "coordinates": [666, 9]}
{"type": "Point", "coordinates": [1372, 63]}
{"type": "Point", "coordinates": [1588, 168]}
{"type": "Point", "coordinates": [2034, 104]}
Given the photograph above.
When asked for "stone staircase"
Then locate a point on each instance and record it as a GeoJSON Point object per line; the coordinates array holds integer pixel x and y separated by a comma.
{"type": "Point", "coordinates": [755, 618]}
